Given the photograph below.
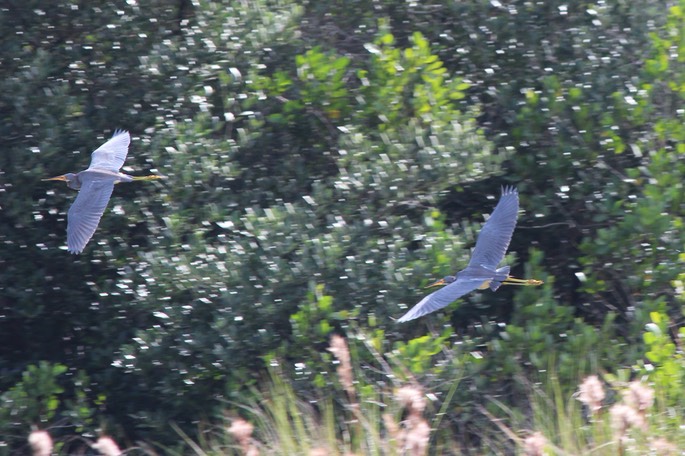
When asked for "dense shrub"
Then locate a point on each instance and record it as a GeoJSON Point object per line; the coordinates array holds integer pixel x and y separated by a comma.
{"type": "Point", "coordinates": [323, 162]}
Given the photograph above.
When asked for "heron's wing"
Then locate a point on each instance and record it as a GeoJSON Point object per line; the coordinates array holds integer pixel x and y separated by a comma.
{"type": "Point", "coordinates": [84, 215]}
{"type": "Point", "coordinates": [112, 154]}
{"type": "Point", "coordinates": [441, 298]}
{"type": "Point", "coordinates": [495, 235]}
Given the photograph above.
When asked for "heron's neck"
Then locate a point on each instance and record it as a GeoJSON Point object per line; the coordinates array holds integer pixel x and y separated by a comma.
{"type": "Point", "coordinates": [74, 183]}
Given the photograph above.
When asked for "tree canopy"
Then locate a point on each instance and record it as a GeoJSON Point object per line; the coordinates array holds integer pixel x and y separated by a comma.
{"type": "Point", "coordinates": [323, 162]}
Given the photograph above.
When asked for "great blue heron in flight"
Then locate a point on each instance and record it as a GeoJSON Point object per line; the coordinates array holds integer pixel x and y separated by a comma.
{"type": "Point", "coordinates": [482, 271]}
{"type": "Point", "coordinates": [95, 186]}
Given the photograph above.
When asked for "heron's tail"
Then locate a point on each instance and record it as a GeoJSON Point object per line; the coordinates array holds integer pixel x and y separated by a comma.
{"type": "Point", "coordinates": [147, 178]}
{"type": "Point", "coordinates": [501, 275]}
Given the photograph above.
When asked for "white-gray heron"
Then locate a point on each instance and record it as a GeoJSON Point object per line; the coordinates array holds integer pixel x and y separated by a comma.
{"type": "Point", "coordinates": [482, 271]}
{"type": "Point", "coordinates": [95, 186]}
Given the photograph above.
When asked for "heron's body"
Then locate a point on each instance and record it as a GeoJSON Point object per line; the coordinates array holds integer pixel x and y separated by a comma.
{"type": "Point", "coordinates": [76, 181]}
{"type": "Point", "coordinates": [95, 186]}
{"type": "Point", "coordinates": [482, 271]}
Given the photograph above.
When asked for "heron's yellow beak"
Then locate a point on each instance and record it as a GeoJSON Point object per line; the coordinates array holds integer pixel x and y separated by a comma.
{"type": "Point", "coordinates": [436, 284]}
{"type": "Point", "coordinates": [57, 178]}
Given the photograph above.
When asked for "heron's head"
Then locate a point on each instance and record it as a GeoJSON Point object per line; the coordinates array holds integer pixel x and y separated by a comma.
{"type": "Point", "coordinates": [444, 281]}
{"type": "Point", "coordinates": [70, 178]}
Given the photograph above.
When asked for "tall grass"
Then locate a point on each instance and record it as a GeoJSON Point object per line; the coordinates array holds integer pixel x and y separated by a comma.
{"type": "Point", "coordinates": [602, 416]}
{"type": "Point", "coordinates": [352, 418]}
{"type": "Point", "coordinates": [383, 410]}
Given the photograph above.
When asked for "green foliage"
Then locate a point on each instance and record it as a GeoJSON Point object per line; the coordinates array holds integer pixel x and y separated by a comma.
{"type": "Point", "coordinates": [311, 322]}
{"type": "Point", "coordinates": [36, 397]}
{"type": "Point", "coordinates": [324, 161]}
{"type": "Point", "coordinates": [664, 365]}
{"type": "Point", "coordinates": [408, 82]}
{"type": "Point", "coordinates": [645, 233]}
{"type": "Point", "coordinates": [231, 284]}
{"type": "Point", "coordinates": [418, 354]}
{"type": "Point", "coordinates": [545, 333]}
{"type": "Point", "coordinates": [46, 395]}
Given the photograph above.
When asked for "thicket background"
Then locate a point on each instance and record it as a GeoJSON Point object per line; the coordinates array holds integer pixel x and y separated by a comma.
{"type": "Point", "coordinates": [324, 161]}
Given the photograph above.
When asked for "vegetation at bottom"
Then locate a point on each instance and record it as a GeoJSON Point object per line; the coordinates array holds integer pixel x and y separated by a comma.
{"type": "Point", "coordinates": [324, 161]}
{"type": "Point", "coordinates": [384, 408]}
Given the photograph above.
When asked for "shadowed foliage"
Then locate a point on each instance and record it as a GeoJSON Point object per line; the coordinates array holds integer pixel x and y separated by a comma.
{"type": "Point", "coordinates": [324, 161]}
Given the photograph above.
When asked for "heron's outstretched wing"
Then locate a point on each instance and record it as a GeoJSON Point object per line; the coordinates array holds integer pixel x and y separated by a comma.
{"type": "Point", "coordinates": [441, 298]}
{"type": "Point", "coordinates": [84, 215]}
{"type": "Point", "coordinates": [111, 155]}
{"type": "Point", "coordinates": [495, 235]}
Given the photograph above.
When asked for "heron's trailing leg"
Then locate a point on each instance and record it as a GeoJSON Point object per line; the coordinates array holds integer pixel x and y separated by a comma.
{"type": "Point", "coordinates": [147, 178]}
{"type": "Point", "coordinates": [524, 282]}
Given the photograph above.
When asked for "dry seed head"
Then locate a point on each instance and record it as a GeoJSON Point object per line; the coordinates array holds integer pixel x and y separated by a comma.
{"type": "Point", "coordinates": [534, 444]}
{"type": "Point", "coordinates": [661, 446]}
{"type": "Point", "coordinates": [241, 430]}
{"type": "Point", "coordinates": [591, 393]}
{"type": "Point", "coordinates": [639, 396]}
{"type": "Point", "coordinates": [392, 427]}
{"type": "Point", "coordinates": [341, 351]}
{"type": "Point", "coordinates": [412, 398]}
{"type": "Point", "coordinates": [417, 438]}
{"type": "Point", "coordinates": [106, 446]}
{"type": "Point", "coordinates": [41, 443]}
{"type": "Point", "coordinates": [624, 417]}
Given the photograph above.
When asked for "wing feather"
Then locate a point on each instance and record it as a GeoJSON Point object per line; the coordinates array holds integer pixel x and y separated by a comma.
{"type": "Point", "coordinates": [111, 155]}
{"type": "Point", "coordinates": [84, 215]}
{"type": "Point", "coordinates": [495, 235]}
{"type": "Point", "coordinates": [441, 298]}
